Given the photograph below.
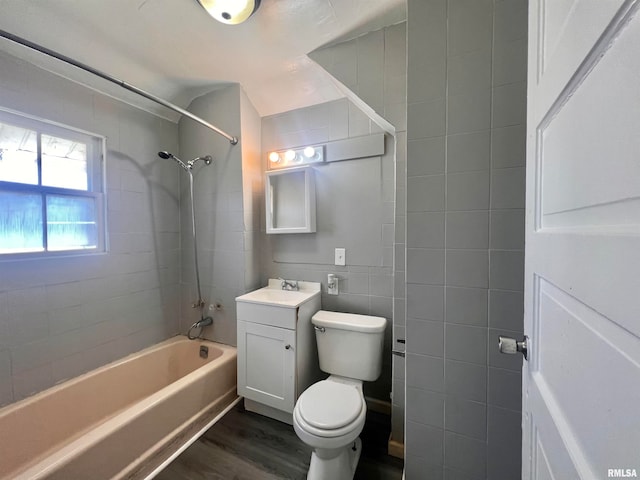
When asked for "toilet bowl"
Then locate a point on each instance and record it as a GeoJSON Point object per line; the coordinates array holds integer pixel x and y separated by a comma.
{"type": "Point", "coordinates": [330, 415]}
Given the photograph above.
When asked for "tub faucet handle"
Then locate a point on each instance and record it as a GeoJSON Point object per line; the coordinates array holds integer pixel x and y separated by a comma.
{"type": "Point", "coordinates": [198, 303]}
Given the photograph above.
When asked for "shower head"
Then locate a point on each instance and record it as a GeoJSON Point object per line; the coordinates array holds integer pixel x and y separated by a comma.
{"type": "Point", "coordinates": [189, 165]}
{"type": "Point", "coordinates": [167, 155]}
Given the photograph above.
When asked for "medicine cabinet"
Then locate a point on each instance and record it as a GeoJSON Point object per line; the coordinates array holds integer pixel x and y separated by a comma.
{"type": "Point", "coordinates": [290, 200]}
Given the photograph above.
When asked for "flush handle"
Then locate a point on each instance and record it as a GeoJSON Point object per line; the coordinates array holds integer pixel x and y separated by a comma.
{"type": "Point", "coordinates": [319, 329]}
{"type": "Point", "coordinates": [511, 346]}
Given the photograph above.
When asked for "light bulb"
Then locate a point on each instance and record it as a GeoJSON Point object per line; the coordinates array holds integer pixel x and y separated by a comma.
{"type": "Point", "coordinates": [289, 155]}
{"type": "Point", "coordinates": [274, 157]}
{"type": "Point", "coordinates": [309, 152]}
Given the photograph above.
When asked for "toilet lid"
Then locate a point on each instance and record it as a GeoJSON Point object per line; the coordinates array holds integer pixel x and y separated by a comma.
{"type": "Point", "coordinates": [329, 405]}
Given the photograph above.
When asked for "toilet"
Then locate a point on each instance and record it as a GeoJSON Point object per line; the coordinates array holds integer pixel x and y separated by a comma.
{"type": "Point", "coordinates": [330, 414]}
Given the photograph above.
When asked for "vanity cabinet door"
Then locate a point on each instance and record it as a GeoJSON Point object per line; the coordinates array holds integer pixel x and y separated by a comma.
{"type": "Point", "coordinates": [266, 364]}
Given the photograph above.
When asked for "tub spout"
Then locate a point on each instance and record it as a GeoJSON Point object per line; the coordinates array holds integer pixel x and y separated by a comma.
{"type": "Point", "coordinates": [199, 325]}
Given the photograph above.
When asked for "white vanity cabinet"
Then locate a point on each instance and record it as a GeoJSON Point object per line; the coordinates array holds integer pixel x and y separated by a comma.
{"type": "Point", "coordinates": [267, 364]}
{"type": "Point", "coordinates": [277, 354]}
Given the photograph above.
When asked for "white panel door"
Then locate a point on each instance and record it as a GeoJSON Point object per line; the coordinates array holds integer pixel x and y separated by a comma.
{"type": "Point", "coordinates": [581, 384]}
{"type": "Point", "coordinates": [266, 364]}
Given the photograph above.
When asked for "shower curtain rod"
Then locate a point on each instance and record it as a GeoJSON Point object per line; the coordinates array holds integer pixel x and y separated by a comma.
{"type": "Point", "coordinates": [106, 76]}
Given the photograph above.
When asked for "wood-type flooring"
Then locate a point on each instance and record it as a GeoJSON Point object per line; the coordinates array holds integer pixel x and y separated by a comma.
{"type": "Point", "coordinates": [247, 446]}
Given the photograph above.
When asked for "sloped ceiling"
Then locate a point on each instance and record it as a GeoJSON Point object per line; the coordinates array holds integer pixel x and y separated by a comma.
{"type": "Point", "coordinates": [173, 49]}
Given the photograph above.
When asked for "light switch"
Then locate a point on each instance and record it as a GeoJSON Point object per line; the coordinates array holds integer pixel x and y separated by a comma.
{"type": "Point", "coordinates": [341, 254]}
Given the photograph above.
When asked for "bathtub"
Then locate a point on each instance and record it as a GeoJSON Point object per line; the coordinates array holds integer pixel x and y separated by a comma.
{"type": "Point", "coordinates": [122, 420]}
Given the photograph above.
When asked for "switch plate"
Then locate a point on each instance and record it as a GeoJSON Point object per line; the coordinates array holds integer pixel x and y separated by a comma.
{"type": "Point", "coordinates": [341, 255]}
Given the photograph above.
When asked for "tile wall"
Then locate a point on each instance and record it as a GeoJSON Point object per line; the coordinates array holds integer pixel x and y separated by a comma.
{"type": "Point", "coordinates": [227, 195]}
{"type": "Point", "coordinates": [465, 236]}
{"type": "Point", "coordinates": [348, 193]}
{"type": "Point", "coordinates": [60, 317]}
{"type": "Point", "coordinates": [374, 67]}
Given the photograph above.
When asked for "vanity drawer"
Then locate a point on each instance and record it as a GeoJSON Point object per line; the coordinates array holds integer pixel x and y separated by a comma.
{"type": "Point", "coordinates": [282, 317]}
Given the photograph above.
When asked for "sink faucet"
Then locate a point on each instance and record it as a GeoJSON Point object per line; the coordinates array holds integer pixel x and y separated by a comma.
{"type": "Point", "coordinates": [288, 284]}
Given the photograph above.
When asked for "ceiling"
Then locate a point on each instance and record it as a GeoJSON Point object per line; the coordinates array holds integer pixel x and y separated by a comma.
{"type": "Point", "coordinates": [175, 50]}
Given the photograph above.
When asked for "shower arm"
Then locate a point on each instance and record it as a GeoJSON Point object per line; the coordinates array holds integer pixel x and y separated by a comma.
{"type": "Point", "coordinates": [206, 159]}
{"type": "Point", "coordinates": [39, 48]}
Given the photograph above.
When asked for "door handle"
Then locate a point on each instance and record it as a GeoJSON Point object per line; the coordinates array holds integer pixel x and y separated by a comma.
{"type": "Point", "coordinates": [511, 346]}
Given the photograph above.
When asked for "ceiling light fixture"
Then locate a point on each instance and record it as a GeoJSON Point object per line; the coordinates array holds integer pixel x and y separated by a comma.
{"type": "Point", "coordinates": [231, 12]}
{"type": "Point", "coordinates": [295, 157]}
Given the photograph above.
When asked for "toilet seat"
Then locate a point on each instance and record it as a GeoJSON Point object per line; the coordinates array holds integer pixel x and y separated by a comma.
{"type": "Point", "coordinates": [329, 405]}
{"type": "Point", "coordinates": [330, 409]}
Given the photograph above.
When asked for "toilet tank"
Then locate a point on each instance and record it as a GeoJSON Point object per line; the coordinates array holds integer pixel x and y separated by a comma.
{"type": "Point", "coordinates": [349, 345]}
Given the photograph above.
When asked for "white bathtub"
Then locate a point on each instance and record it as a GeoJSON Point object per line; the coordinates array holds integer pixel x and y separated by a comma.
{"type": "Point", "coordinates": [119, 421]}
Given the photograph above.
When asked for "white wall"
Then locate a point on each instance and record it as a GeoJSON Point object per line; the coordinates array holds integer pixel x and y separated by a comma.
{"type": "Point", "coordinates": [60, 317]}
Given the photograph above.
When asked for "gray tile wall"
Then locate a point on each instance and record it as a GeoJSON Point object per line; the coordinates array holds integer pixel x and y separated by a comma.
{"type": "Point", "coordinates": [366, 288]}
{"type": "Point", "coordinates": [374, 67]}
{"type": "Point", "coordinates": [252, 189]}
{"type": "Point", "coordinates": [60, 317]}
{"type": "Point", "coordinates": [226, 193]}
{"type": "Point", "coordinates": [395, 111]}
{"type": "Point", "coordinates": [465, 236]}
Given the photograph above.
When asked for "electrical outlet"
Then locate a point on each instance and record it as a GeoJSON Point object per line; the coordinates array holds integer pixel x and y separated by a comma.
{"type": "Point", "coordinates": [341, 255]}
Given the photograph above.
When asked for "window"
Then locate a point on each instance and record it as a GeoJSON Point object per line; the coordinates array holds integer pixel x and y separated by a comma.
{"type": "Point", "coordinates": [51, 195]}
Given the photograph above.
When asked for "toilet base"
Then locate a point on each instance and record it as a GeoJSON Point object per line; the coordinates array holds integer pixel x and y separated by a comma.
{"type": "Point", "coordinates": [335, 464]}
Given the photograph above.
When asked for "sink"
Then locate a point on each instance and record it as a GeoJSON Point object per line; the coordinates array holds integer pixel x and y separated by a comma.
{"type": "Point", "coordinates": [274, 295]}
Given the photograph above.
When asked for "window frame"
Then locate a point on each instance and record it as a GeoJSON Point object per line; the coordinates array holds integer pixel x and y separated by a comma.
{"type": "Point", "coordinates": [96, 181]}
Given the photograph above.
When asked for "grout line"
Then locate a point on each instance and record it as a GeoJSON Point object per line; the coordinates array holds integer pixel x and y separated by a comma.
{"type": "Point", "coordinates": [444, 288]}
{"type": "Point", "coordinates": [491, 95]}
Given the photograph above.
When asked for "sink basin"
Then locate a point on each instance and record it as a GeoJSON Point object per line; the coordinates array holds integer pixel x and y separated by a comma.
{"type": "Point", "coordinates": [274, 295]}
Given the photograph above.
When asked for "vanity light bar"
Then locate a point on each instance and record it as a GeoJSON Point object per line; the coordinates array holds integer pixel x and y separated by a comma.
{"type": "Point", "coordinates": [295, 157]}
